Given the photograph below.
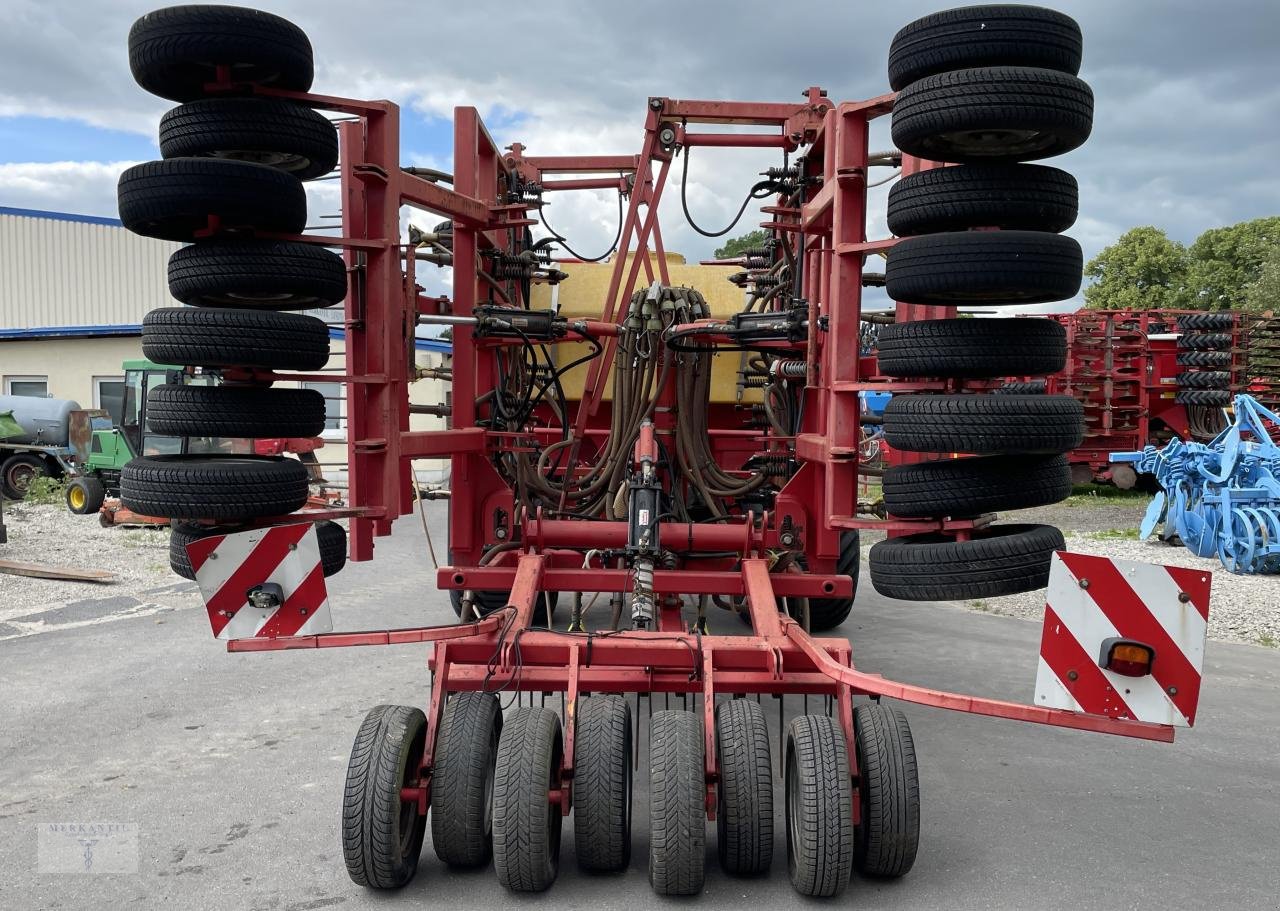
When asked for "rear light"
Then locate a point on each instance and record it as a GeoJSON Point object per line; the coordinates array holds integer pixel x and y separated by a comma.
{"type": "Point", "coordinates": [1127, 657]}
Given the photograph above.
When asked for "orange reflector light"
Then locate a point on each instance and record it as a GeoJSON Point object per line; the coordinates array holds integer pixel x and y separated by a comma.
{"type": "Point", "coordinates": [1127, 657]}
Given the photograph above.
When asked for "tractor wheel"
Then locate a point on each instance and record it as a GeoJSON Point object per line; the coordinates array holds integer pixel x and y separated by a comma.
{"type": "Point", "coordinates": [970, 487]}
{"type": "Point", "coordinates": [602, 759]}
{"type": "Point", "coordinates": [984, 36]}
{"type": "Point", "coordinates": [1204, 358]}
{"type": "Point", "coordinates": [203, 337]}
{"type": "Point", "coordinates": [889, 787]}
{"type": "Point", "coordinates": [1211, 321]}
{"type": "Point", "coordinates": [267, 274]}
{"type": "Point", "coordinates": [820, 838]}
{"type": "Point", "coordinates": [993, 114]}
{"type": "Point", "coordinates": [1205, 341]}
{"type": "Point", "coordinates": [235, 411]}
{"type": "Point", "coordinates": [175, 199]}
{"type": "Point", "coordinates": [381, 832]}
{"type": "Point", "coordinates": [1020, 196]}
{"type": "Point", "coordinates": [972, 348]}
{"type": "Point", "coordinates": [744, 813]}
{"type": "Point", "coordinates": [992, 268]}
{"type": "Point", "coordinates": [332, 538]}
{"type": "Point", "coordinates": [1204, 379]}
{"type": "Point", "coordinates": [462, 782]}
{"type": "Point", "coordinates": [85, 495]}
{"type": "Point", "coordinates": [997, 560]}
{"type": "Point", "coordinates": [677, 804]}
{"type": "Point", "coordinates": [282, 134]}
{"type": "Point", "coordinates": [18, 471]}
{"type": "Point", "coordinates": [229, 488]}
{"type": "Point", "coordinates": [174, 52]}
{"type": "Point", "coordinates": [984, 424]}
{"type": "Point", "coordinates": [1211, 397]}
{"type": "Point", "coordinates": [526, 823]}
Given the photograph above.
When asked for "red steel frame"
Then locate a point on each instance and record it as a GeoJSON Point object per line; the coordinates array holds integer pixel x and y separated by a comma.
{"type": "Point", "coordinates": [820, 499]}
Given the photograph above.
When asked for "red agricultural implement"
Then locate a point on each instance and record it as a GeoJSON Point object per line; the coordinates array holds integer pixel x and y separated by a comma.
{"type": "Point", "coordinates": [644, 486]}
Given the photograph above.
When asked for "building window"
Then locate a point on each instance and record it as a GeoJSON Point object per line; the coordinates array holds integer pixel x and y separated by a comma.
{"type": "Point", "coordinates": [332, 392]}
{"type": "Point", "coordinates": [35, 386]}
{"type": "Point", "coordinates": [108, 394]}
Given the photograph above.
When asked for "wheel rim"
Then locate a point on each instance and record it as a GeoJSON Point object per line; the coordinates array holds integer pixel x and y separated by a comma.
{"type": "Point", "coordinates": [283, 161]}
{"type": "Point", "coordinates": [77, 497]}
{"type": "Point", "coordinates": [409, 817]}
{"type": "Point", "coordinates": [21, 476]}
{"type": "Point", "coordinates": [998, 142]}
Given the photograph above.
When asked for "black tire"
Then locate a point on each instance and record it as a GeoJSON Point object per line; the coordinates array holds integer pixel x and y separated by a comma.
{"type": "Point", "coordinates": [1024, 197]}
{"type": "Point", "coordinates": [971, 36]}
{"type": "Point", "coordinates": [463, 778]}
{"type": "Point", "coordinates": [526, 824]}
{"type": "Point", "coordinates": [381, 833]}
{"type": "Point", "coordinates": [677, 804]}
{"type": "Point", "coordinates": [271, 274]}
{"type": "Point", "coordinates": [828, 613]}
{"type": "Point", "coordinates": [252, 412]}
{"type": "Point", "coordinates": [1211, 397]}
{"type": "Point", "coordinates": [972, 348]}
{"type": "Point", "coordinates": [744, 814]}
{"type": "Point", "coordinates": [1204, 379]}
{"type": "Point", "coordinates": [1204, 358]}
{"type": "Point", "coordinates": [175, 51]}
{"type": "Point", "coordinates": [278, 133]}
{"type": "Point", "coordinates": [231, 488]}
{"type": "Point", "coordinates": [970, 487]}
{"type": "Point", "coordinates": [985, 267]}
{"type": "Point", "coordinates": [995, 114]}
{"type": "Point", "coordinates": [888, 836]}
{"type": "Point", "coordinates": [984, 424]}
{"type": "Point", "coordinates": [1205, 321]}
{"type": "Point", "coordinates": [18, 471]}
{"type": "Point", "coordinates": [1204, 341]}
{"type": "Point", "coordinates": [331, 536]}
{"type": "Point", "coordinates": [85, 495]}
{"type": "Point", "coordinates": [602, 785]}
{"type": "Point", "coordinates": [820, 838]}
{"type": "Point", "coordinates": [1031, 387]}
{"type": "Point", "coordinates": [997, 560]}
{"type": "Point", "coordinates": [175, 199]}
{"type": "Point", "coordinates": [203, 337]}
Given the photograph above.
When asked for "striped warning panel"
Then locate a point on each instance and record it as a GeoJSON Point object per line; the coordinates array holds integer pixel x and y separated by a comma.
{"type": "Point", "coordinates": [1093, 599]}
{"type": "Point", "coordinates": [227, 567]}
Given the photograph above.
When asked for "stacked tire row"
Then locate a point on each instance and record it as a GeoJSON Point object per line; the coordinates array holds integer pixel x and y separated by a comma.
{"type": "Point", "coordinates": [1204, 351]}
{"type": "Point", "coordinates": [1262, 360]}
{"type": "Point", "coordinates": [989, 88]}
{"type": "Point", "coordinates": [232, 168]}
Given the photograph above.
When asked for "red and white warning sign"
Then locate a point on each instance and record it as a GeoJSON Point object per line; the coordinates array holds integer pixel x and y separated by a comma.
{"type": "Point", "coordinates": [265, 582]}
{"type": "Point", "coordinates": [1123, 639]}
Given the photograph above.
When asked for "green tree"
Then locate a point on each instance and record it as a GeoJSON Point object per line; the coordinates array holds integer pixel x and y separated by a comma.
{"type": "Point", "coordinates": [1142, 270]}
{"type": "Point", "coordinates": [1226, 261]}
{"type": "Point", "coordinates": [734, 246]}
{"type": "Point", "coordinates": [1263, 293]}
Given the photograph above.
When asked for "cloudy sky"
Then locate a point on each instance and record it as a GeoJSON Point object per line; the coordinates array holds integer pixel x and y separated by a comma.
{"type": "Point", "coordinates": [1186, 136]}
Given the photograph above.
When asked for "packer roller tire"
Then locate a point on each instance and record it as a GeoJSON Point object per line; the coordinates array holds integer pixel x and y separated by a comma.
{"type": "Point", "coordinates": [996, 560]}
{"type": "Point", "coordinates": [252, 412]}
{"type": "Point", "coordinates": [176, 199]}
{"type": "Point", "coordinates": [271, 131]}
{"type": "Point", "coordinates": [970, 487]}
{"type": "Point", "coordinates": [229, 487]}
{"type": "Point", "coordinates": [381, 833]}
{"type": "Point", "coordinates": [526, 823]}
{"type": "Point", "coordinates": [992, 268]}
{"type": "Point", "coordinates": [174, 52]}
{"type": "Point", "coordinates": [1204, 341]}
{"type": "Point", "coordinates": [972, 348]}
{"type": "Point", "coordinates": [1204, 379]}
{"type": "Point", "coordinates": [744, 793]}
{"type": "Point", "coordinates": [984, 424]}
{"type": "Point", "coordinates": [984, 36]}
{"type": "Point", "coordinates": [1030, 387]}
{"type": "Point", "coordinates": [331, 536]}
{"type": "Point", "coordinates": [887, 837]}
{"type": "Point", "coordinates": [259, 339]}
{"type": "Point", "coordinates": [1204, 358]}
{"type": "Point", "coordinates": [265, 274]}
{"type": "Point", "coordinates": [677, 803]}
{"type": "Point", "coordinates": [1019, 196]}
{"type": "Point", "coordinates": [1209, 397]}
{"type": "Point", "coordinates": [819, 806]}
{"type": "Point", "coordinates": [993, 114]}
{"type": "Point", "coordinates": [463, 778]}
{"type": "Point", "coordinates": [602, 784]}
{"type": "Point", "coordinates": [1209, 321]}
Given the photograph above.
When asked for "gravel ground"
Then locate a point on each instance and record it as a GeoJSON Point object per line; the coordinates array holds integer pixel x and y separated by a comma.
{"type": "Point", "coordinates": [51, 536]}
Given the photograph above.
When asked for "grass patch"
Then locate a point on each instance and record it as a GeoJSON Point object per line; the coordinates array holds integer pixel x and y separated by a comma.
{"type": "Point", "coordinates": [980, 605]}
{"type": "Point", "coordinates": [1103, 495]}
{"type": "Point", "coordinates": [1268, 641]}
{"type": "Point", "coordinates": [1114, 534]}
{"type": "Point", "coordinates": [45, 491]}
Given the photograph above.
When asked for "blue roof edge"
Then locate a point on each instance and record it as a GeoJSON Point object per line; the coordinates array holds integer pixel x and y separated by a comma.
{"type": "Point", "coordinates": [62, 216]}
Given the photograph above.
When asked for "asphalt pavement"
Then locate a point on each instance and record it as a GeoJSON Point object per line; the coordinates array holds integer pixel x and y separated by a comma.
{"type": "Point", "coordinates": [228, 770]}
